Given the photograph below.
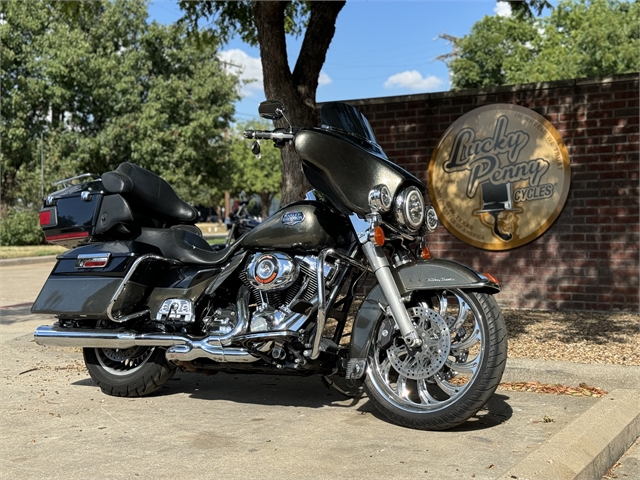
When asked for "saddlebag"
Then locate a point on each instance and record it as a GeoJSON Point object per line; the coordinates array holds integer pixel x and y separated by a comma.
{"type": "Point", "coordinates": [100, 281]}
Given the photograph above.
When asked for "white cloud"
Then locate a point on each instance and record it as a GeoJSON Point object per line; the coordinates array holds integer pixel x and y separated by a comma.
{"type": "Point", "coordinates": [324, 79]}
{"type": "Point", "coordinates": [248, 68]}
{"type": "Point", "coordinates": [502, 9]}
{"type": "Point", "coordinates": [413, 80]}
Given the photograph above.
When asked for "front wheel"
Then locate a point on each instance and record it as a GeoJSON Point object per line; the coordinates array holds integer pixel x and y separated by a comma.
{"type": "Point", "coordinates": [452, 374]}
{"type": "Point", "coordinates": [130, 372]}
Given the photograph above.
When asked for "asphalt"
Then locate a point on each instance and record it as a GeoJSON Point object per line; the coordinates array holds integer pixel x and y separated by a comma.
{"type": "Point", "coordinates": [55, 423]}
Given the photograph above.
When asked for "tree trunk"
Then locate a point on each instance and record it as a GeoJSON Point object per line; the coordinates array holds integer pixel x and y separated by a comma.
{"type": "Point", "coordinates": [296, 90]}
{"type": "Point", "coordinates": [265, 200]}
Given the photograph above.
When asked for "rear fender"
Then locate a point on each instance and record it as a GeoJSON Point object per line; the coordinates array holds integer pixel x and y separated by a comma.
{"type": "Point", "coordinates": [433, 274]}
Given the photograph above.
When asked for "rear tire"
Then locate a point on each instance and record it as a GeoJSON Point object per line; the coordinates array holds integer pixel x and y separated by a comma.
{"type": "Point", "coordinates": [453, 374]}
{"type": "Point", "coordinates": [132, 372]}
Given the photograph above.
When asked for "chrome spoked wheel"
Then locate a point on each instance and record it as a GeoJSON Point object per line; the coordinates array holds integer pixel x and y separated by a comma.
{"type": "Point", "coordinates": [130, 372]}
{"type": "Point", "coordinates": [463, 352]}
{"type": "Point", "coordinates": [118, 361]}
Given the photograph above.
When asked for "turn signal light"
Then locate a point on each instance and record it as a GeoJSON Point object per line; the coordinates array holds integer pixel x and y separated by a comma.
{"type": "Point", "coordinates": [491, 278]}
{"type": "Point", "coordinates": [378, 236]}
{"type": "Point", "coordinates": [425, 254]}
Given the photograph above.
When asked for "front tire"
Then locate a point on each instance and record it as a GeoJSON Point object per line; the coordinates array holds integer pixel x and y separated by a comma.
{"type": "Point", "coordinates": [131, 372]}
{"type": "Point", "coordinates": [453, 374]}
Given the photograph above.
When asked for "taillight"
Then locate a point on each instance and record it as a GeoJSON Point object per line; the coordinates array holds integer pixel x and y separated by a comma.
{"type": "Point", "coordinates": [96, 260]}
{"type": "Point", "coordinates": [48, 217]}
{"type": "Point", "coordinates": [45, 218]}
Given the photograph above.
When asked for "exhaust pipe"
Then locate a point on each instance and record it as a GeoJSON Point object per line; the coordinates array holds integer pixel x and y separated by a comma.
{"type": "Point", "coordinates": [180, 347]}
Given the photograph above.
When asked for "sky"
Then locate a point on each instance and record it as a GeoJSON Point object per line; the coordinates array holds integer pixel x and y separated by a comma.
{"type": "Point", "coordinates": [380, 48]}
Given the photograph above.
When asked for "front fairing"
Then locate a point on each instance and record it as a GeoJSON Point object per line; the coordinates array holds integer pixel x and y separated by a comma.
{"type": "Point", "coordinates": [345, 170]}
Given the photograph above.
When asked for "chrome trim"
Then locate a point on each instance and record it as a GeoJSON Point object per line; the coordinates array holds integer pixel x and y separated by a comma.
{"type": "Point", "coordinates": [431, 219]}
{"type": "Point", "coordinates": [284, 268]}
{"type": "Point", "coordinates": [180, 347]}
{"type": "Point", "coordinates": [124, 282]}
{"type": "Point", "coordinates": [197, 349]}
{"type": "Point", "coordinates": [176, 310]}
{"type": "Point", "coordinates": [66, 181]}
{"type": "Point", "coordinates": [322, 301]}
{"type": "Point", "coordinates": [380, 264]}
{"type": "Point", "coordinates": [82, 259]}
{"type": "Point", "coordinates": [401, 209]}
{"type": "Point", "coordinates": [380, 198]}
{"type": "Point", "coordinates": [102, 338]}
{"type": "Point", "coordinates": [361, 227]}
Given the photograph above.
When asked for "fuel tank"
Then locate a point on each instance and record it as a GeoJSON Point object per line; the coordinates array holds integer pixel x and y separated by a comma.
{"type": "Point", "coordinates": [308, 226]}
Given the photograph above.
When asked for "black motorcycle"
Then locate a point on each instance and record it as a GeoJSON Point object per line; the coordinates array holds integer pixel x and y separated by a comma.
{"type": "Point", "coordinates": [143, 293]}
{"type": "Point", "coordinates": [240, 222]}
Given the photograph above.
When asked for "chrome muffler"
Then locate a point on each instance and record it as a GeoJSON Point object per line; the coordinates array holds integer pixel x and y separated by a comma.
{"type": "Point", "coordinates": [182, 348]}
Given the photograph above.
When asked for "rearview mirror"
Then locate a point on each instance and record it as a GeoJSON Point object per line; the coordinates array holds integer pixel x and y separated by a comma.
{"type": "Point", "coordinates": [271, 109]}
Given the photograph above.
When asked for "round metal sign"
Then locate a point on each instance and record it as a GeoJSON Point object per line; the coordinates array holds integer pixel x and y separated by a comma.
{"type": "Point", "coordinates": [499, 176]}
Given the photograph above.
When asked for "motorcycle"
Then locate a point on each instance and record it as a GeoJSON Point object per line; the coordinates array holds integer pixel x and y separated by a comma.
{"type": "Point", "coordinates": [240, 222]}
{"type": "Point", "coordinates": [144, 294]}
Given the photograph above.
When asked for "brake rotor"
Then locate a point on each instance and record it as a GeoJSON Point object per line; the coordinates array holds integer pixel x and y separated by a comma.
{"type": "Point", "coordinates": [431, 356]}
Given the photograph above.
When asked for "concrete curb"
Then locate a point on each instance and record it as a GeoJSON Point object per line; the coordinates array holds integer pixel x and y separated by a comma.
{"type": "Point", "coordinates": [590, 445]}
{"type": "Point", "coordinates": [10, 262]}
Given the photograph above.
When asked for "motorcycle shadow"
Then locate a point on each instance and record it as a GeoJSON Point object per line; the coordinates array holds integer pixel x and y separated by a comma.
{"type": "Point", "coordinates": [309, 392]}
{"type": "Point", "coordinates": [272, 390]}
{"type": "Point", "coordinates": [496, 412]}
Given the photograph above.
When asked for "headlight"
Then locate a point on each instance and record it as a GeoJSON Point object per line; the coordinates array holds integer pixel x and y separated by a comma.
{"type": "Point", "coordinates": [380, 199]}
{"type": "Point", "coordinates": [432, 219]}
{"type": "Point", "coordinates": [409, 209]}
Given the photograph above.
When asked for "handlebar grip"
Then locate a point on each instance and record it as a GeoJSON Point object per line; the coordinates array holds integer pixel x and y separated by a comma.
{"type": "Point", "coordinates": [267, 135]}
{"type": "Point", "coordinates": [258, 134]}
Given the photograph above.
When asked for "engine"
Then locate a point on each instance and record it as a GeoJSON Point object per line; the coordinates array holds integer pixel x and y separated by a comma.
{"type": "Point", "coordinates": [283, 290]}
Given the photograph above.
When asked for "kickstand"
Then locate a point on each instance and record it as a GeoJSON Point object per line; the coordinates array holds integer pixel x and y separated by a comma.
{"type": "Point", "coordinates": [331, 384]}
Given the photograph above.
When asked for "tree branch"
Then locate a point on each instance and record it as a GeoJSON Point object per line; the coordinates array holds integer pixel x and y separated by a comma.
{"type": "Point", "coordinates": [269, 20]}
{"type": "Point", "coordinates": [320, 31]}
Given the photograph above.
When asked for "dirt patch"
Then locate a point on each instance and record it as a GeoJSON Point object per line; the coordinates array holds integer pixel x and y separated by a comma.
{"type": "Point", "coordinates": [584, 337]}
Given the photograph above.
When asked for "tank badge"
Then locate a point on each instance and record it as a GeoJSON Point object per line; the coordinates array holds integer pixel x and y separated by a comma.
{"type": "Point", "coordinates": [292, 218]}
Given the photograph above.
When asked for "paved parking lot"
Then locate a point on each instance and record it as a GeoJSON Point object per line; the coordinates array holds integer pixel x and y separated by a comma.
{"type": "Point", "coordinates": [55, 423]}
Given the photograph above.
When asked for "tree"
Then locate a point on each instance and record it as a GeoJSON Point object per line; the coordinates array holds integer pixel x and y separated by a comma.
{"type": "Point", "coordinates": [101, 86]}
{"type": "Point", "coordinates": [580, 38]}
{"type": "Point", "coordinates": [529, 8]}
{"type": "Point", "coordinates": [266, 24]}
{"type": "Point", "coordinates": [261, 176]}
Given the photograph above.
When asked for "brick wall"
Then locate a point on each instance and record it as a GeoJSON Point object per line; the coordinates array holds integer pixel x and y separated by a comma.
{"type": "Point", "coordinates": [589, 258]}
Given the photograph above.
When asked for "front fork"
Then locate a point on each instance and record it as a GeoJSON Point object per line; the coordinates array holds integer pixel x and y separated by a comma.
{"type": "Point", "coordinates": [380, 266]}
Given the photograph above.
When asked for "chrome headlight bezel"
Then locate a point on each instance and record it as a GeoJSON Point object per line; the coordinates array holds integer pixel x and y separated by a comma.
{"type": "Point", "coordinates": [409, 209]}
{"type": "Point", "coordinates": [431, 219]}
{"type": "Point", "coordinates": [380, 199]}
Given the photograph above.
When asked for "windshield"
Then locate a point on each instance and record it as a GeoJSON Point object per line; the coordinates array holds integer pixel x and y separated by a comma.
{"type": "Point", "coordinates": [343, 118]}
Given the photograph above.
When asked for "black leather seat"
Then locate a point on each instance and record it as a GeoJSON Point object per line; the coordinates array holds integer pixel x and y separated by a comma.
{"type": "Point", "coordinates": [147, 192]}
{"type": "Point", "coordinates": [185, 246]}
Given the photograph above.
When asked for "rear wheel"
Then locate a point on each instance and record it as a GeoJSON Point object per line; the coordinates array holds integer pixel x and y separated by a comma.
{"type": "Point", "coordinates": [130, 372]}
{"type": "Point", "coordinates": [452, 374]}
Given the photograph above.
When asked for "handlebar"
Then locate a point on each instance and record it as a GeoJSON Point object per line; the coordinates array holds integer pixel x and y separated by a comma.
{"type": "Point", "coordinates": [267, 135]}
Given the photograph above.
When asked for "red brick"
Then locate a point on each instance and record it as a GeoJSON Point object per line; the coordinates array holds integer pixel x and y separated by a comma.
{"type": "Point", "coordinates": [589, 256]}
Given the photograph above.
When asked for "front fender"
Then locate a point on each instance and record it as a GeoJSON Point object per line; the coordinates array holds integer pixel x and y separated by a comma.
{"type": "Point", "coordinates": [433, 274]}
{"type": "Point", "coordinates": [439, 274]}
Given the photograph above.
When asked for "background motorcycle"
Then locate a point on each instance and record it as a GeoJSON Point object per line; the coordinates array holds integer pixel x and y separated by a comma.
{"type": "Point", "coordinates": [240, 222]}
{"type": "Point", "coordinates": [143, 294]}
